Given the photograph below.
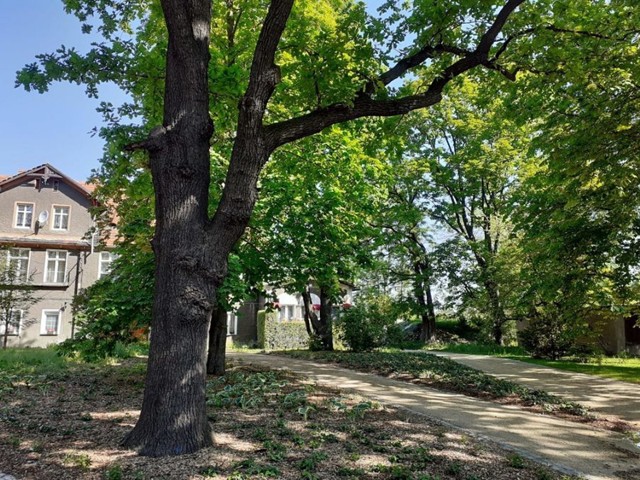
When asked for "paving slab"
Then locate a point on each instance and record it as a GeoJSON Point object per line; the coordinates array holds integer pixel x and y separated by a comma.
{"type": "Point", "coordinates": [602, 395]}
{"type": "Point", "coordinates": [569, 447]}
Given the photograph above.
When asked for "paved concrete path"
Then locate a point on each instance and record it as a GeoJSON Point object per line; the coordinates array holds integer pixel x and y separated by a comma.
{"type": "Point", "coordinates": [570, 447]}
{"type": "Point", "coordinates": [602, 395]}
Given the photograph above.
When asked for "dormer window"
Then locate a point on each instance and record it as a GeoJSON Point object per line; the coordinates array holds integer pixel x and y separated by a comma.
{"type": "Point", "coordinates": [60, 218]}
{"type": "Point", "coordinates": [24, 215]}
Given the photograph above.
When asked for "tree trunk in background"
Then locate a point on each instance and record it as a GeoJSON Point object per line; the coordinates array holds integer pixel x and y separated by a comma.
{"type": "Point", "coordinates": [325, 332]}
{"type": "Point", "coordinates": [309, 314]}
{"type": "Point", "coordinates": [320, 327]}
{"type": "Point", "coordinates": [428, 327]}
{"type": "Point", "coordinates": [498, 317]}
{"type": "Point", "coordinates": [424, 299]}
{"type": "Point", "coordinates": [217, 342]}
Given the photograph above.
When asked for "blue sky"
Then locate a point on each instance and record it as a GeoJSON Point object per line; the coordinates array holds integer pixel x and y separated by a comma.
{"type": "Point", "coordinates": [53, 127]}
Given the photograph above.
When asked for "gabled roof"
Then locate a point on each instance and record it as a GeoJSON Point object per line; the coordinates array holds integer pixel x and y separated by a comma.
{"type": "Point", "coordinates": [44, 172]}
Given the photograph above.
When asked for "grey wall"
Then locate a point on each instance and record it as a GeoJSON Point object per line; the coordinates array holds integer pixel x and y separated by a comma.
{"type": "Point", "coordinates": [82, 265]}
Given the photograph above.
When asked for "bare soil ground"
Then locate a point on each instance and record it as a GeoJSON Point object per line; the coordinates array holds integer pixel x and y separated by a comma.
{"type": "Point", "coordinates": [267, 425]}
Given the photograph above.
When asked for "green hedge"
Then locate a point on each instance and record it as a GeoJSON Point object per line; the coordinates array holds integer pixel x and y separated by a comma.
{"type": "Point", "coordinates": [276, 335]}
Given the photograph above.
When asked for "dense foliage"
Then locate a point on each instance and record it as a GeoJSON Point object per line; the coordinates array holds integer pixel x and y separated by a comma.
{"type": "Point", "coordinates": [114, 311]}
{"type": "Point", "coordinates": [276, 335]}
{"type": "Point", "coordinates": [369, 324]}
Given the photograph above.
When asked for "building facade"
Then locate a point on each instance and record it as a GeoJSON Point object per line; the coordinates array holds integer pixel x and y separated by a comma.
{"type": "Point", "coordinates": [45, 225]}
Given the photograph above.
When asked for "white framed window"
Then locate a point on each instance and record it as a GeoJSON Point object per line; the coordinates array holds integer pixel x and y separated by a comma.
{"type": "Point", "coordinates": [50, 324]}
{"type": "Point", "coordinates": [13, 327]}
{"type": "Point", "coordinates": [56, 266]}
{"type": "Point", "coordinates": [24, 215]}
{"type": "Point", "coordinates": [60, 218]}
{"type": "Point", "coordinates": [104, 263]}
{"type": "Point", "coordinates": [232, 324]}
{"type": "Point", "coordinates": [18, 262]}
{"type": "Point", "coordinates": [291, 312]}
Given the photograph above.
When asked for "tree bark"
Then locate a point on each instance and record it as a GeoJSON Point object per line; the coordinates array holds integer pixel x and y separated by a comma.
{"type": "Point", "coordinates": [325, 331]}
{"type": "Point", "coordinates": [217, 342]}
{"type": "Point", "coordinates": [173, 419]}
{"type": "Point", "coordinates": [319, 327]}
{"type": "Point", "coordinates": [498, 316]}
{"type": "Point", "coordinates": [424, 299]}
{"type": "Point", "coordinates": [309, 316]}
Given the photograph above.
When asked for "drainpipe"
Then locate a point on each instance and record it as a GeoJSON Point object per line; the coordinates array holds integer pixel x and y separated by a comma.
{"type": "Point", "coordinates": [75, 294]}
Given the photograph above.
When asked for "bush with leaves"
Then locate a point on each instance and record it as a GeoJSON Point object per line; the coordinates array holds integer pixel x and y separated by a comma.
{"type": "Point", "coordinates": [369, 324]}
{"type": "Point", "coordinates": [111, 312]}
{"type": "Point", "coordinates": [552, 335]}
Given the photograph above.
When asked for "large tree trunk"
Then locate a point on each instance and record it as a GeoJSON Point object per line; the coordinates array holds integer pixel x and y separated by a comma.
{"type": "Point", "coordinates": [173, 419]}
{"type": "Point", "coordinates": [217, 342]}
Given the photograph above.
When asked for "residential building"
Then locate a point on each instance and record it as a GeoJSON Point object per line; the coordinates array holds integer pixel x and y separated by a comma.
{"type": "Point", "coordinates": [45, 225]}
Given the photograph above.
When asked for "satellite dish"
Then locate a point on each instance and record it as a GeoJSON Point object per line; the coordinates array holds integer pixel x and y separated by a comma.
{"type": "Point", "coordinates": [43, 217]}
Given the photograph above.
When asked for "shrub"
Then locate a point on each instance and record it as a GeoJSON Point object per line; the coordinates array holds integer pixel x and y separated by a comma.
{"type": "Point", "coordinates": [113, 312]}
{"type": "Point", "coordinates": [276, 335]}
{"type": "Point", "coordinates": [545, 338]}
{"type": "Point", "coordinates": [553, 337]}
{"type": "Point", "coordinates": [370, 324]}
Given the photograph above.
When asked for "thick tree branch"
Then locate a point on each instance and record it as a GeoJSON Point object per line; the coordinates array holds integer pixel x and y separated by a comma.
{"type": "Point", "coordinates": [412, 61]}
{"type": "Point", "coordinates": [363, 105]}
{"type": "Point", "coordinates": [264, 75]}
{"type": "Point", "coordinates": [249, 151]}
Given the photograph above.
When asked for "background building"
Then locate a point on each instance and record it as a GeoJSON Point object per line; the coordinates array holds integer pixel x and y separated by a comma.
{"type": "Point", "coordinates": [45, 234]}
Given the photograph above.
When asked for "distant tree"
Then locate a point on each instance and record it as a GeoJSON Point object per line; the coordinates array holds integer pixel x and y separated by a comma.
{"type": "Point", "coordinates": [406, 248]}
{"type": "Point", "coordinates": [16, 293]}
{"type": "Point", "coordinates": [312, 224]}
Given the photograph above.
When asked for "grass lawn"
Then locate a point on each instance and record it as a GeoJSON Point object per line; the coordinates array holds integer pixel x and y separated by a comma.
{"type": "Point", "coordinates": [624, 369]}
{"type": "Point", "coordinates": [31, 361]}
